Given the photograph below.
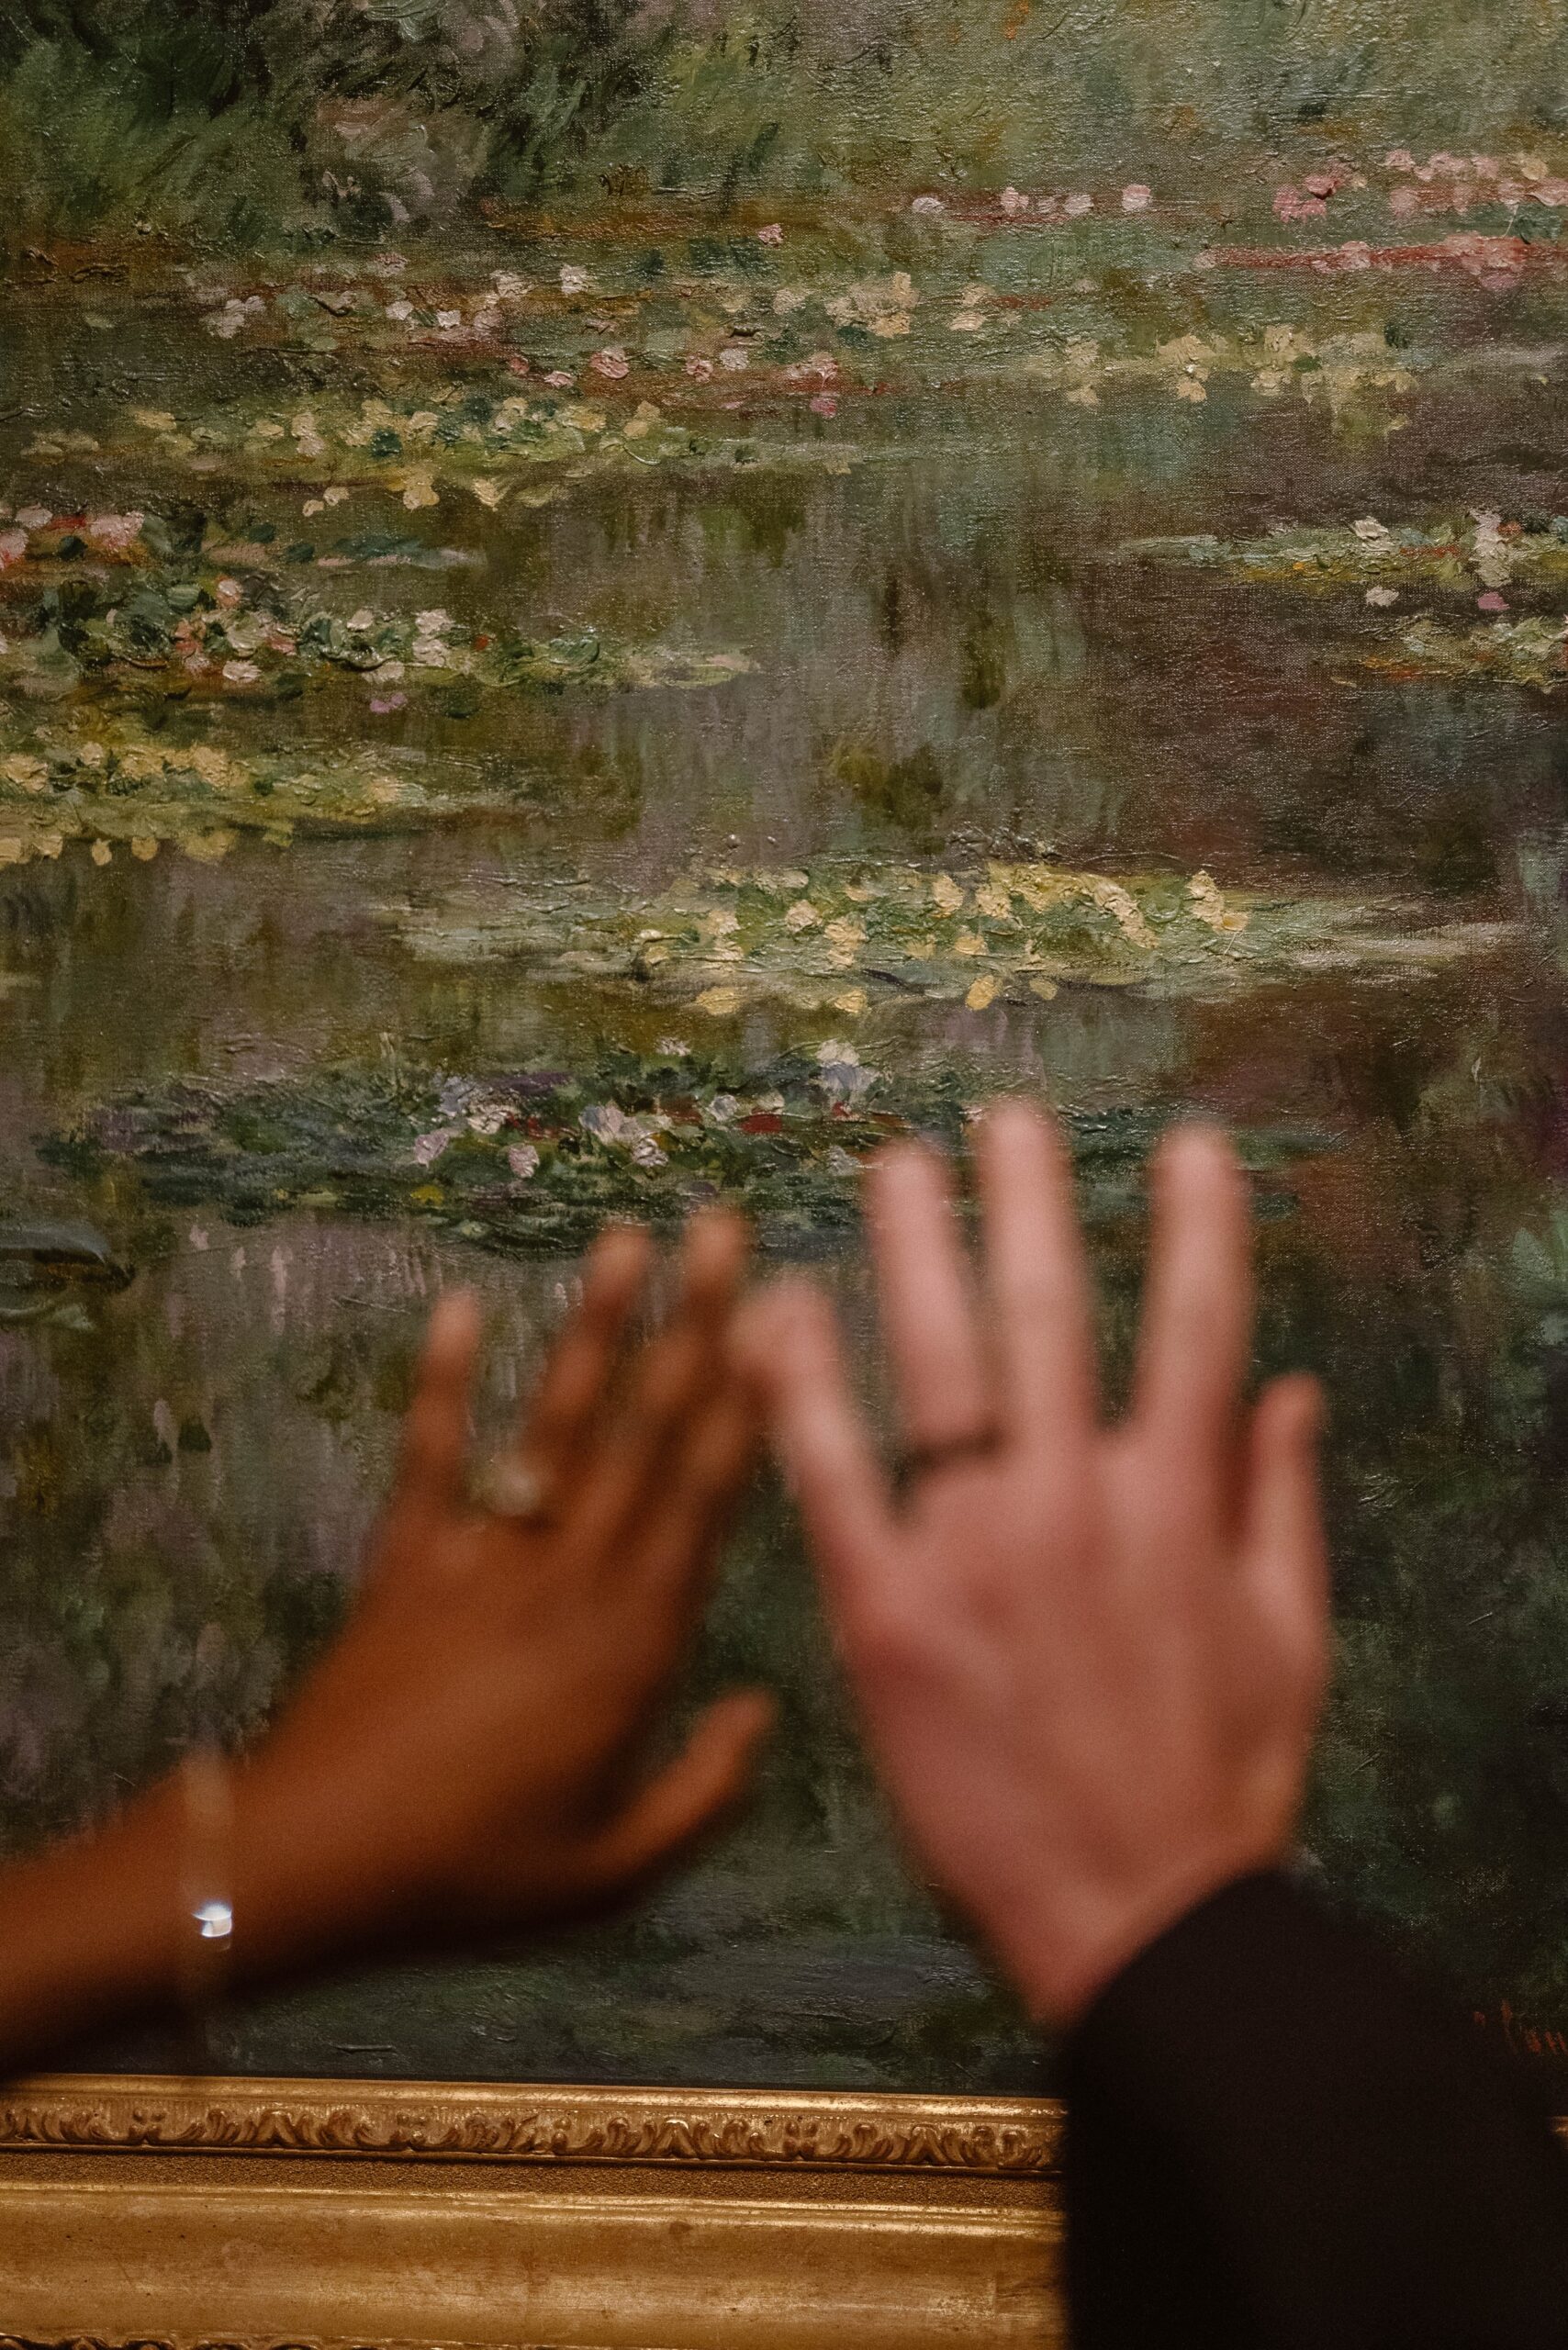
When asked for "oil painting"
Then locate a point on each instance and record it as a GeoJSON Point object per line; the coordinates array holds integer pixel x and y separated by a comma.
{"type": "Point", "coordinates": [602, 606]}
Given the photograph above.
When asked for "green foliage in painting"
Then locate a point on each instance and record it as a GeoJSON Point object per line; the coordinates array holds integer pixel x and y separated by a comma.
{"type": "Point", "coordinates": [241, 121]}
{"type": "Point", "coordinates": [604, 606]}
{"type": "Point", "coordinates": [536, 1160]}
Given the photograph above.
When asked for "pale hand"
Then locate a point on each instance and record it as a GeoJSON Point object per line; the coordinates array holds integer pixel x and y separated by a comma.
{"type": "Point", "coordinates": [1090, 1658]}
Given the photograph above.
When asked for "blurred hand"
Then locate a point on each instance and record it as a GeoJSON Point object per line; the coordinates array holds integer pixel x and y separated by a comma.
{"type": "Point", "coordinates": [1090, 1658]}
{"type": "Point", "coordinates": [471, 1754]}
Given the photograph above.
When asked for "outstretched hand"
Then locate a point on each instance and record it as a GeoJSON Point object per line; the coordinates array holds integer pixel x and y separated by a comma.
{"type": "Point", "coordinates": [1090, 1658]}
{"type": "Point", "coordinates": [472, 1752]}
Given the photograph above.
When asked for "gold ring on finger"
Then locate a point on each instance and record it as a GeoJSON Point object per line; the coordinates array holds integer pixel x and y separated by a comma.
{"type": "Point", "coordinates": [511, 1486]}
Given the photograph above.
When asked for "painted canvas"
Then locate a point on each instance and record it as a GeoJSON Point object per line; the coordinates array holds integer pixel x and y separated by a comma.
{"type": "Point", "coordinates": [605, 607]}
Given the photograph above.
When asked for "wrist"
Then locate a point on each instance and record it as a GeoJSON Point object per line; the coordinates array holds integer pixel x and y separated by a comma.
{"type": "Point", "coordinates": [92, 1928]}
{"type": "Point", "coordinates": [103, 1925]}
{"type": "Point", "coordinates": [1062, 1968]}
{"type": "Point", "coordinates": [302, 1885]}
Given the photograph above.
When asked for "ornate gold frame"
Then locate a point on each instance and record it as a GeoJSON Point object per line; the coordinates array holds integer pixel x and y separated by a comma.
{"type": "Point", "coordinates": [256, 2214]}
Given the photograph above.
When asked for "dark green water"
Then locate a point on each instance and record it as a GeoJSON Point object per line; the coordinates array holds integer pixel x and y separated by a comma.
{"type": "Point", "coordinates": [946, 665]}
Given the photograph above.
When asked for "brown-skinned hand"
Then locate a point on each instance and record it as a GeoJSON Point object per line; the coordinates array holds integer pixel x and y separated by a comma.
{"type": "Point", "coordinates": [471, 1757]}
{"type": "Point", "coordinates": [472, 1754]}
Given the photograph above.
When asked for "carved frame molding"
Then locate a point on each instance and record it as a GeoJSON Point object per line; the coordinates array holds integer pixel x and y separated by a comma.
{"type": "Point", "coordinates": [453, 2122]}
{"type": "Point", "coordinates": [173, 2213]}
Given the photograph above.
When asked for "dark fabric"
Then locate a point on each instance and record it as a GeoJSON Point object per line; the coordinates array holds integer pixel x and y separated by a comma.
{"type": "Point", "coordinates": [1276, 2140]}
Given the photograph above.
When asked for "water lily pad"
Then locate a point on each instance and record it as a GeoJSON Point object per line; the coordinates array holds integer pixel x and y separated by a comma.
{"type": "Point", "coordinates": [839, 939]}
{"type": "Point", "coordinates": [213, 634]}
{"type": "Point", "coordinates": [537, 1160]}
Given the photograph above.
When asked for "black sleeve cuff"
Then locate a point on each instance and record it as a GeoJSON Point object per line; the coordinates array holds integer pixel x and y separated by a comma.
{"type": "Point", "coordinates": [1274, 2138]}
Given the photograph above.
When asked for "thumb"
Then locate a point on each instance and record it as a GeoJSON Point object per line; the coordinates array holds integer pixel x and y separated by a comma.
{"type": "Point", "coordinates": [692, 1794]}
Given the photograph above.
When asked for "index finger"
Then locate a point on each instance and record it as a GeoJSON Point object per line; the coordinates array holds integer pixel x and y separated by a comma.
{"type": "Point", "coordinates": [788, 1339]}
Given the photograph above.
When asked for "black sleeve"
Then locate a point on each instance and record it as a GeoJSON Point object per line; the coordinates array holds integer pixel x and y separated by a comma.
{"type": "Point", "coordinates": [1275, 2140]}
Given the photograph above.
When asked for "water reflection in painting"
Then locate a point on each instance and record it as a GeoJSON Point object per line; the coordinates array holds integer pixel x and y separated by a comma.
{"type": "Point", "coordinates": [565, 705]}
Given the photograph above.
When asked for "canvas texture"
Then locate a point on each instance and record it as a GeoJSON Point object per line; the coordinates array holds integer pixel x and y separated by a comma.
{"type": "Point", "coordinates": [603, 608]}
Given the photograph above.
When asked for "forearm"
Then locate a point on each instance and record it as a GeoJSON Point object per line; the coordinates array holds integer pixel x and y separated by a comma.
{"type": "Point", "coordinates": [102, 1928]}
{"type": "Point", "coordinates": [1276, 2140]}
{"type": "Point", "coordinates": [90, 1931]}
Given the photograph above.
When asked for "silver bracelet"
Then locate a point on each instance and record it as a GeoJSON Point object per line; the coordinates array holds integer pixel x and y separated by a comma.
{"type": "Point", "coordinates": [207, 1942]}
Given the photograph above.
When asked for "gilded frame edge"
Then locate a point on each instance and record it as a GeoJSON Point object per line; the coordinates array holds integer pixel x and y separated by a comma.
{"type": "Point", "coordinates": [420, 2121]}
{"type": "Point", "coordinates": [165, 2212]}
